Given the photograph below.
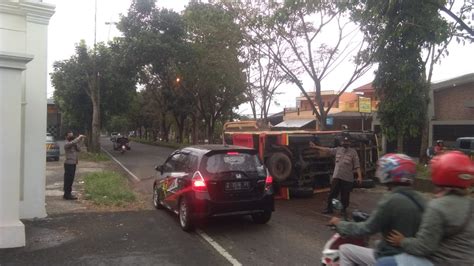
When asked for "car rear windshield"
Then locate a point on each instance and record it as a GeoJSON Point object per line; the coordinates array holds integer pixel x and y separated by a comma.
{"type": "Point", "coordinates": [234, 161]}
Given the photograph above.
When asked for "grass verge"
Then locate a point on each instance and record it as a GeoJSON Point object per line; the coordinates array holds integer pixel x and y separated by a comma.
{"type": "Point", "coordinates": [422, 172]}
{"type": "Point", "coordinates": [108, 189]}
{"type": "Point", "coordinates": [93, 157]}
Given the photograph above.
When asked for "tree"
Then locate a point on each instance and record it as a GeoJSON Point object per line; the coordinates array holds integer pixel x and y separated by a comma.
{"type": "Point", "coordinates": [263, 74]}
{"type": "Point", "coordinates": [305, 49]}
{"type": "Point", "coordinates": [118, 123]}
{"type": "Point", "coordinates": [156, 38]}
{"type": "Point", "coordinates": [399, 31]}
{"type": "Point", "coordinates": [77, 96]}
{"type": "Point", "coordinates": [436, 51]}
{"type": "Point", "coordinates": [213, 74]}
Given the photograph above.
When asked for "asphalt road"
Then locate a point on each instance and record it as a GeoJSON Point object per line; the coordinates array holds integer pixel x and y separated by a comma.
{"type": "Point", "coordinates": [294, 236]}
{"type": "Point", "coordinates": [141, 159]}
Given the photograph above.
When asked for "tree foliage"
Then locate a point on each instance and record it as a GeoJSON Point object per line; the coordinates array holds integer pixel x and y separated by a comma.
{"type": "Point", "coordinates": [305, 49]}
{"type": "Point", "coordinates": [71, 79]}
{"type": "Point", "coordinates": [399, 31]}
{"type": "Point", "coordinates": [188, 63]}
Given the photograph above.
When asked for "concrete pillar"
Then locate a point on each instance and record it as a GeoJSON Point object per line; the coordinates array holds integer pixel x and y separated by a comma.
{"type": "Point", "coordinates": [12, 231]}
{"type": "Point", "coordinates": [34, 112]}
{"type": "Point", "coordinates": [22, 115]}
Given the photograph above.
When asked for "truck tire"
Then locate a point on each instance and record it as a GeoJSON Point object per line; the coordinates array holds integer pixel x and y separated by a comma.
{"type": "Point", "coordinates": [301, 192]}
{"type": "Point", "coordinates": [280, 167]}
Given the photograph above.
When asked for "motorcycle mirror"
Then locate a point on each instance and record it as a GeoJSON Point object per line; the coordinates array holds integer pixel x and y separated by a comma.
{"type": "Point", "coordinates": [336, 204]}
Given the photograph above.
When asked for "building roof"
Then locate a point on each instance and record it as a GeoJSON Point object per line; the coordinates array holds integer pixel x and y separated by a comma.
{"type": "Point", "coordinates": [365, 88]}
{"type": "Point", "coordinates": [450, 83]}
{"type": "Point", "coordinates": [348, 97]}
{"type": "Point", "coordinates": [50, 101]}
{"type": "Point", "coordinates": [294, 123]}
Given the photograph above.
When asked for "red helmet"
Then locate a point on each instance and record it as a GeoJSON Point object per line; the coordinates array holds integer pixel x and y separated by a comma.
{"type": "Point", "coordinates": [396, 168]}
{"type": "Point", "coordinates": [452, 169]}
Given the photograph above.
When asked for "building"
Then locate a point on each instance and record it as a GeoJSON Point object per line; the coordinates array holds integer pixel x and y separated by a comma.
{"type": "Point", "coordinates": [344, 110]}
{"type": "Point", "coordinates": [23, 74]}
{"type": "Point", "coordinates": [53, 120]}
{"type": "Point", "coordinates": [451, 114]}
{"type": "Point", "coordinates": [451, 109]}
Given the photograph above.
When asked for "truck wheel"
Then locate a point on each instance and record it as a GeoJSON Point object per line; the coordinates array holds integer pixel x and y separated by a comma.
{"type": "Point", "coordinates": [301, 192]}
{"type": "Point", "coordinates": [279, 166]}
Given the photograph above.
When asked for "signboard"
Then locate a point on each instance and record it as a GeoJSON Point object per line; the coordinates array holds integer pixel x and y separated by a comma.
{"type": "Point", "coordinates": [365, 105]}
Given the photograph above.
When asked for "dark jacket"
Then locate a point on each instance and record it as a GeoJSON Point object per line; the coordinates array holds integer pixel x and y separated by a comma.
{"type": "Point", "coordinates": [394, 211]}
{"type": "Point", "coordinates": [439, 238]}
{"type": "Point", "coordinates": [71, 149]}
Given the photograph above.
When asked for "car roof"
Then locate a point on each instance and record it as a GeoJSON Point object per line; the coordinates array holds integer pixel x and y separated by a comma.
{"type": "Point", "coordinates": [466, 138]}
{"type": "Point", "coordinates": [205, 148]}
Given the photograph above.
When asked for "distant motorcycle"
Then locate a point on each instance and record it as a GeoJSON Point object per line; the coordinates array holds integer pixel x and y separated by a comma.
{"type": "Point", "coordinates": [122, 144]}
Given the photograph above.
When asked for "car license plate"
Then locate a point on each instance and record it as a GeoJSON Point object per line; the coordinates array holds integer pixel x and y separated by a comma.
{"type": "Point", "coordinates": [232, 186]}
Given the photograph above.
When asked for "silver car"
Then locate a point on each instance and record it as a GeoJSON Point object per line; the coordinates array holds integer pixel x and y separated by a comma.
{"type": "Point", "coordinates": [52, 148]}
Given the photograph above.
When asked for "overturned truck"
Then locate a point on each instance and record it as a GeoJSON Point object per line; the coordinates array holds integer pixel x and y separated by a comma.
{"type": "Point", "coordinates": [290, 160]}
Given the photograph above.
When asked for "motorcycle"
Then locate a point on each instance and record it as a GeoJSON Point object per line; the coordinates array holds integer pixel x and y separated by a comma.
{"type": "Point", "coordinates": [122, 144]}
{"type": "Point", "coordinates": [330, 256]}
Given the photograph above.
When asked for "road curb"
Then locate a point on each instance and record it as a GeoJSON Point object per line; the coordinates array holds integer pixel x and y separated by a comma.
{"type": "Point", "coordinates": [133, 177]}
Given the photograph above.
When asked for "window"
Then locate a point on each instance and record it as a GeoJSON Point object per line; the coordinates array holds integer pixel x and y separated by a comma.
{"type": "Point", "coordinates": [234, 161]}
{"type": "Point", "coordinates": [172, 163]}
{"type": "Point", "coordinates": [187, 163]}
{"type": "Point", "coordinates": [465, 144]}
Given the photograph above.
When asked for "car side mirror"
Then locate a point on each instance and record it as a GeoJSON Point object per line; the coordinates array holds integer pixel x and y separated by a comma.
{"type": "Point", "coordinates": [159, 168]}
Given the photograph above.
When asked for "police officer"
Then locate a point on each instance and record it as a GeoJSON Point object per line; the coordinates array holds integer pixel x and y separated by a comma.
{"type": "Point", "coordinates": [343, 176]}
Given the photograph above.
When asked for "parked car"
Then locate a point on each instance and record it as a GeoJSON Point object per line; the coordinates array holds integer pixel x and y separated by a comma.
{"type": "Point", "coordinates": [52, 148]}
{"type": "Point", "coordinates": [203, 181]}
{"type": "Point", "coordinates": [466, 145]}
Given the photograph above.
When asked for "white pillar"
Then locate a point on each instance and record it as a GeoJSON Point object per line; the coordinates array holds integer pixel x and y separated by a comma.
{"type": "Point", "coordinates": [12, 231]}
{"type": "Point", "coordinates": [34, 110]}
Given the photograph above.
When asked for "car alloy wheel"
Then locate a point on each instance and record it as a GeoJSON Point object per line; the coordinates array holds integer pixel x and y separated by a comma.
{"type": "Point", "coordinates": [157, 197]}
{"type": "Point", "coordinates": [184, 215]}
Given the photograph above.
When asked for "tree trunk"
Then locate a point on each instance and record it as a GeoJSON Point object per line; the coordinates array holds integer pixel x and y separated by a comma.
{"type": "Point", "coordinates": [180, 126]}
{"type": "Point", "coordinates": [400, 143]}
{"type": "Point", "coordinates": [322, 123]}
{"type": "Point", "coordinates": [95, 142]}
{"type": "Point", "coordinates": [424, 141]}
{"type": "Point", "coordinates": [210, 130]}
{"type": "Point", "coordinates": [194, 130]}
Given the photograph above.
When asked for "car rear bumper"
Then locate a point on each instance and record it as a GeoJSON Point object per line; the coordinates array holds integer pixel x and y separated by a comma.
{"type": "Point", "coordinates": [52, 154]}
{"type": "Point", "coordinates": [207, 208]}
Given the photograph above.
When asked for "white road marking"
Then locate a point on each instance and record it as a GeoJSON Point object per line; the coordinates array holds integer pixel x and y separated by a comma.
{"type": "Point", "coordinates": [219, 248]}
{"type": "Point", "coordinates": [135, 178]}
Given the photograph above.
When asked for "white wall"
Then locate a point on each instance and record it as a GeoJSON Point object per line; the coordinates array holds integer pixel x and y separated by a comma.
{"type": "Point", "coordinates": [23, 30]}
{"type": "Point", "coordinates": [34, 112]}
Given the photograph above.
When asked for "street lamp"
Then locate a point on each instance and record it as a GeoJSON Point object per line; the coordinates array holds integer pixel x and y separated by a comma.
{"type": "Point", "coordinates": [110, 23]}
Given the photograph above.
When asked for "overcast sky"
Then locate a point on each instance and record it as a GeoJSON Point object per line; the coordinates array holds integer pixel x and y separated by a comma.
{"type": "Point", "coordinates": [74, 20]}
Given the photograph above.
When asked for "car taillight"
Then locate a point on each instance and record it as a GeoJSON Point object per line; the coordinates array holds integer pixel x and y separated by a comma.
{"type": "Point", "coordinates": [268, 182]}
{"type": "Point", "coordinates": [232, 153]}
{"type": "Point", "coordinates": [198, 182]}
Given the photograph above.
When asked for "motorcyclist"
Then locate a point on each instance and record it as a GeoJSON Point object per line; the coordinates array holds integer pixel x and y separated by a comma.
{"type": "Point", "coordinates": [439, 148]}
{"type": "Point", "coordinates": [401, 210]}
{"type": "Point", "coordinates": [446, 235]}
